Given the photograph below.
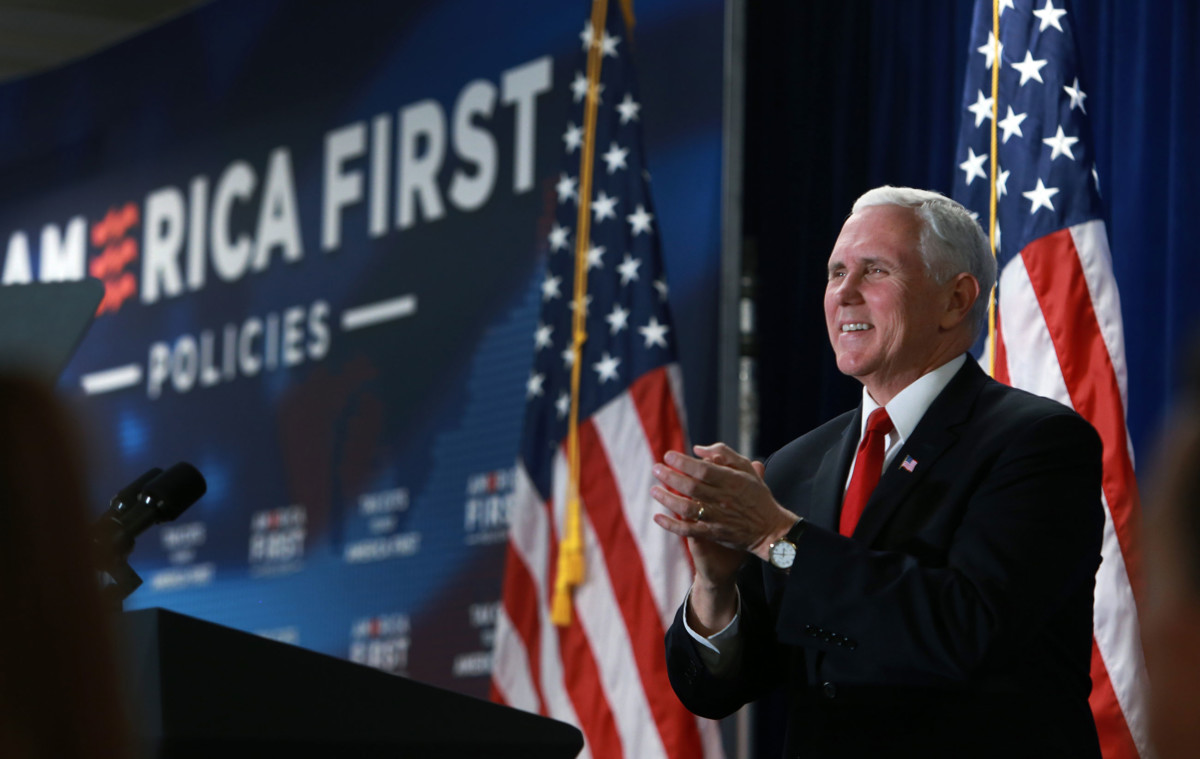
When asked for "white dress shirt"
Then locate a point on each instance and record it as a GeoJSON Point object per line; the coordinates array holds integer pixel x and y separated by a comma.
{"type": "Point", "coordinates": [905, 410]}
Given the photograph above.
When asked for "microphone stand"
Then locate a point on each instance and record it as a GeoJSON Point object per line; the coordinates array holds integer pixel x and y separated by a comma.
{"type": "Point", "coordinates": [124, 582]}
{"type": "Point", "coordinates": [155, 497]}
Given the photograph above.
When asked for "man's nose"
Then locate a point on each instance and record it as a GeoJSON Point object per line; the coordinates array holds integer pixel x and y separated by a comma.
{"type": "Point", "coordinates": [848, 290]}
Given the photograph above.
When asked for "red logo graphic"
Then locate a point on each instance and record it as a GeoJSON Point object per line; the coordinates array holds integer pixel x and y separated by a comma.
{"type": "Point", "coordinates": [118, 251]}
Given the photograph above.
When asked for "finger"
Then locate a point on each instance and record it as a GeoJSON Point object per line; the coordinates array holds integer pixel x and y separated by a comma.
{"type": "Point", "coordinates": [684, 484]}
{"type": "Point", "coordinates": [720, 453]}
{"type": "Point", "coordinates": [681, 527]}
{"type": "Point", "coordinates": [684, 507]}
{"type": "Point", "coordinates": [759, 468]}
{"type": "Point", "coordinates": [715, 474]}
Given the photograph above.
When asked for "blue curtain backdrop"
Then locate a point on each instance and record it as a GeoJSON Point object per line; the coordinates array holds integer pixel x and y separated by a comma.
{"type": "Point", "coordinates": [1145, 105]}
{"type": "Point", "coordinates": [842, 97]}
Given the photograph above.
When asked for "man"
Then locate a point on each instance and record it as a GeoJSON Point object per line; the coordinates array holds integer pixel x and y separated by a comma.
{"type": "Point", "coordinates": [1171, 615]}
{"type": "Point", "coordinates": [946, 610]}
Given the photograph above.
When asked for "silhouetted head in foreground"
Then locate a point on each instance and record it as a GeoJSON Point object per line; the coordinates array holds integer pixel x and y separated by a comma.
{"type": "Point", "coordinates": [1171, 613]}
{"type": "Point", "coordinates": [58, 679]}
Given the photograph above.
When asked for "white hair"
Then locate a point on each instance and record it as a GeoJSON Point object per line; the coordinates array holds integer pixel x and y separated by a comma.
{"type": "Point", "coordinates": [951, 241]}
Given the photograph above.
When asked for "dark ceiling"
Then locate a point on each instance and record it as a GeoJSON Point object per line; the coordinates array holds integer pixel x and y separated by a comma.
{"type": "Point", "coordinates": [36, 35]}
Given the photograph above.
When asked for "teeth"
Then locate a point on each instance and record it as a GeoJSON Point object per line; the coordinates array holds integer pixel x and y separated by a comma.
{"type": "Point", "coordinates": [855, 327]}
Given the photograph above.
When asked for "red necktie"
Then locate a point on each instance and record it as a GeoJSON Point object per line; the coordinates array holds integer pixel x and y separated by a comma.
{"type": "Point", "coordinates": [868, 465]}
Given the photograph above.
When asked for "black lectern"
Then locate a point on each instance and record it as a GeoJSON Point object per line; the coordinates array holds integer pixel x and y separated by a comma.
{"type": "Point", "coordinates": [208, 690]}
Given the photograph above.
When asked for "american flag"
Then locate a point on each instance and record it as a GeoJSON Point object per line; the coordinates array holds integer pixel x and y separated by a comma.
{"type": "Point", "coordinates": [588, 649]}
{"type": "Point", "coordinates": [1058, 329]}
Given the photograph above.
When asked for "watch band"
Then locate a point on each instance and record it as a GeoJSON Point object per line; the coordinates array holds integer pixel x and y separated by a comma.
{"type": "Point", "coordinates": [797, 530]}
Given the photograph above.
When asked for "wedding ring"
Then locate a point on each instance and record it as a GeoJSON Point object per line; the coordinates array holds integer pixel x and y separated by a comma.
{"type": "Point", "coordinates": [700, 515]}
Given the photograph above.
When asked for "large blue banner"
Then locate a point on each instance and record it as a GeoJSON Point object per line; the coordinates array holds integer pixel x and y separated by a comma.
{"type": "Point", "coordinates": [320, 226]}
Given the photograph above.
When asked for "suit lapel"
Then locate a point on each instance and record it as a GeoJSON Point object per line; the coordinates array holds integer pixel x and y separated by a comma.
{"type": "Point", "coordinates": [934, 435]}
{"type": "Point", "coordinates": [829, 485]}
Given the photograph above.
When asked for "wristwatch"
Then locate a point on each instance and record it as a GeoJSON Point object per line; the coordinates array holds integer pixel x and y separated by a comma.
{"type": "Point", "coordinates": [783, 551]}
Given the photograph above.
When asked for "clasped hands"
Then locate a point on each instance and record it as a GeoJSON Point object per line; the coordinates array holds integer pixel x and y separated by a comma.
{"type": "Point", "coordinates": [719, 501]}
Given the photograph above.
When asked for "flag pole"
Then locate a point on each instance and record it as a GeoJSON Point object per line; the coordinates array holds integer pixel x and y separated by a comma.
{"type": "Point", "coordinates": [571, 566]}
{"type": "Point", "coordinates": [993, 293]}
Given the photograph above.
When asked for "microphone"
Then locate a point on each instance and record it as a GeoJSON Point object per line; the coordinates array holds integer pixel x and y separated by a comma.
{"type": "Point", "coordinates": [155, 497]}
{"type": "Point", "coordinates": [172, 492]}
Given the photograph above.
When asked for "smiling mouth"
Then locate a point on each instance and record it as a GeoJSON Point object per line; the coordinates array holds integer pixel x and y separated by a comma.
{"type": "Point", "coordinates": [856, 327]}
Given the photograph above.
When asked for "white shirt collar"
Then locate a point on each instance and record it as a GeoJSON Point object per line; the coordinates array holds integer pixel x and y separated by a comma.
{"type": "Point", "coordinates": [911, 403]}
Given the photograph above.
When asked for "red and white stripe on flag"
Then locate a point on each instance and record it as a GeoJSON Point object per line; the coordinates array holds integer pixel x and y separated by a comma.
{"type": "Point", "coordinates": [1060, 335]}
{"type": "Point", "coordinates": [606, 671]}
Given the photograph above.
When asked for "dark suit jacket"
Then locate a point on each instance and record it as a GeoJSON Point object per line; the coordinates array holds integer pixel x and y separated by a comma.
{"type": "Point", "coordinates": [957, 621]}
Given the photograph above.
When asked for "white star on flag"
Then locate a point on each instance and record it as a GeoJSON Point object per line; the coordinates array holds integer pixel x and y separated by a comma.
{"type": "Point", "coordinates": [533, 386]}
{"type": "Point", "coordinates": [982, 108]}
{"type": "Point", "coordinates": [579, 86]}
{"type": "Point", "coordinates": [563, 404]}
{"type": "Point", "coordinates": [654, 333]}
{"type": "Point", "coordinates": [661, 286]}
{"type": "Point", "coordinates": [1011, 124]}
{"type": "Point", "coordinates": [586, 35]}
{"type": "Point", "coordinates": [629, 269]}
{"type": "Point", "coordinates": [606, 367]}
{"type": "Point", "coordinates": [618, 319]}
{"type": "Point", "coordinates": [573, 137]}
{"type": "Point", "coordinates": [1061, 144]}
{"type": "Point", "coordinates": [615, 157]}
{"type": "Point", "coordinates": [989, 50]}
{"type": "Point", "coordinates": [1029, 68]}
{"type": "Point", "coordinates": [973, 165]}
{"type": "Point", "coordinates": [604, 207]}
{"type": "Point", "coordinates": [541, 337]}
{"type": "Point", "coordinates": [559, 237]}
{"type": "Point", "coordinates": [595, 257]}
{"type": "Point", "coordinates": [550, 287]}
{"type": "Point", "coordinates": [1050, 16]}
{"type": "Point", "coordinates": [1001, 185]}
{"type": "Point", "coordinates": [628, 109]}
{"type": "Point", "coordinates": [1076, 94]}
{"type": "Point", "coordinates": [608, 45]}
{"type": "Point", "coordinates": [639, 221]}
{"type": "Point", "coordinates": [566, 188]}
{"type": "Point", "coordinates": [1040, 196]}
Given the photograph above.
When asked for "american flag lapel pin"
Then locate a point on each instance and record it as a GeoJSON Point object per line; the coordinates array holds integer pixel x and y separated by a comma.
{"type": "Point", "coordinates": [909, 464]}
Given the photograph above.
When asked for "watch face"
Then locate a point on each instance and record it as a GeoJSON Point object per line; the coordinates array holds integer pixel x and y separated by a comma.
{"type": "Point", "coordinates": [783, 554]}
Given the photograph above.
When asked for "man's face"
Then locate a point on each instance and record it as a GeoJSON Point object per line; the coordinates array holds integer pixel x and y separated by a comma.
{"type": "Point", "coordinates": [883, 310]}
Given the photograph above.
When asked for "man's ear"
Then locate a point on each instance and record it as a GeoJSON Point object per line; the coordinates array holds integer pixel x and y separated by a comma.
{"type": "Point", "coordinates": [964, 291]}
